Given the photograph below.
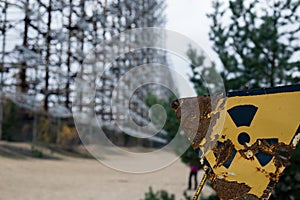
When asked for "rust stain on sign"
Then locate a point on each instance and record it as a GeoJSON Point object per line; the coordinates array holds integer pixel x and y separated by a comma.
{"type": "Point", "coordinates": [261, 130]}
{"type": "Point", "coordinates": [198, 117]}
{"type": "Point", "coordinates": [223, 153]}
{"type": "Point", "coordinates": [195, 121]}
{"type": "Point", "coordinates": [230, 190]}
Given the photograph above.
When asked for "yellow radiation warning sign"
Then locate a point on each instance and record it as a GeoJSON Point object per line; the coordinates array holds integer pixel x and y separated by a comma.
{"type": "Point", "coordinates": [261, 129]}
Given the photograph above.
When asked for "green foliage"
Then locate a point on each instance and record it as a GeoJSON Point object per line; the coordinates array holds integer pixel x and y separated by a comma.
{"type": "Point", "coordinates": [67, 136]}
{"type": "Point", "coordinates": [212, 197]}
{"type": "Point", "coordinates": [190, 157]}
{"type": "Point", "coordinates": [18, 126]}
{"type": "Point", "coordinates": [172, 123]}
{"type": "Point", "coordinates": [258, 43]}
{"type": "Point", "coordinates": [203, 70]}
{"type": "Point", "coordinates": [197, 67]}
{"type": "Point", "coordinates": [258, 47]}
{"type": "Point", "coordinates": [164, 195]}
{"type": "Point", "coordinates": [46, 131]}
{"type": "Point", "coordinates": [37, 153]}
{"type": "Point", "coordinates": [159, 195]}
{"type": "Point", "coordinates": [289, 184]}
{"type": "Point", "coordinates": [14, 123]}
{"type": "Point", "coordinates": [186, 196]}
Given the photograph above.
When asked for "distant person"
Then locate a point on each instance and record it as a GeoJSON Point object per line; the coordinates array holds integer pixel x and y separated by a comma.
{"type": "Point", "coordinates": [194, 171]}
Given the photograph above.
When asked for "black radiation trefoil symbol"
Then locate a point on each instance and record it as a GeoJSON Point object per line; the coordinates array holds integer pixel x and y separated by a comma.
{"type": "Point", "coordinates": [243, 115]}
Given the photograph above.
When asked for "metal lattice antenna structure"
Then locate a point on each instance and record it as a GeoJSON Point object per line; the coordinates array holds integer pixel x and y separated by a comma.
{"type": "Point", "coordinates": [61, 40]}
{"type": "Point", "coordinates": [121, 17]}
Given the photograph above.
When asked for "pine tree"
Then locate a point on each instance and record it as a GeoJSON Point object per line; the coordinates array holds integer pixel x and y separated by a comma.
{"type": "Point", "coordinates": [257, 43]}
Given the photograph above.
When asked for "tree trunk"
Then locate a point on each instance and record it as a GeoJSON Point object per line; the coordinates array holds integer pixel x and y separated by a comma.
{"type": "Point", "coordinates": [2, 63]}
{"type": "Point", "coordinates": [69, 54]}
{"type": "Point", "coordinates": [47, 59]}
{"type": "Point", "coordinates": [22, 73]}
{"type": "Point", "coordinates": [272, 74]}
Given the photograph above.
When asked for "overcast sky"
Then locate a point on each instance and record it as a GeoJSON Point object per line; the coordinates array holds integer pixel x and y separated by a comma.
{"type": "Point", "coordinates": [188, 17]}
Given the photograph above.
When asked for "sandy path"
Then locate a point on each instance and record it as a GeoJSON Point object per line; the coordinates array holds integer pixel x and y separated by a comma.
{"type": "Point", "coordinates": [82, 179]}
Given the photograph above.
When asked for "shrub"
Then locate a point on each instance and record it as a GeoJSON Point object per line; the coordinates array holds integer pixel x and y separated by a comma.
{"type": "Point", "coordinates": [68, 136]}
{"type": "Point", "coordinates": [159, 195]}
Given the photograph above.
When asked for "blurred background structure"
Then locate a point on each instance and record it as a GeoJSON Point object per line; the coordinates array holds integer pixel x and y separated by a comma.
{"type": "Point", "coordinates": [45, 44]}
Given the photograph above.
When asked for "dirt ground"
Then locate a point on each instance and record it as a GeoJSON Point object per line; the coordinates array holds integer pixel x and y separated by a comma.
{"type": "Point", "coordinates": [84, 179]}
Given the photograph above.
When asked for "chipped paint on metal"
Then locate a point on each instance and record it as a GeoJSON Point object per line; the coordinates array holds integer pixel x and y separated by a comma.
{"type": "Point", "coordinates": [251, 154]}
{"type": "Point", "coordinates": [201, 119]}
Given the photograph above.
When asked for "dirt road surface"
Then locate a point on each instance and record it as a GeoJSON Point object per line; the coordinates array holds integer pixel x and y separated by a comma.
{"type": "Point", "coordinates": [84, 179]}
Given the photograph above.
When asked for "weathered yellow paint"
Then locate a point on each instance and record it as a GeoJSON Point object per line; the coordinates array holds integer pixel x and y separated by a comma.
{"type": "Point", "coordinates": [278, 116]}
{"type": "Point", "coordinates": [274, 130]}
